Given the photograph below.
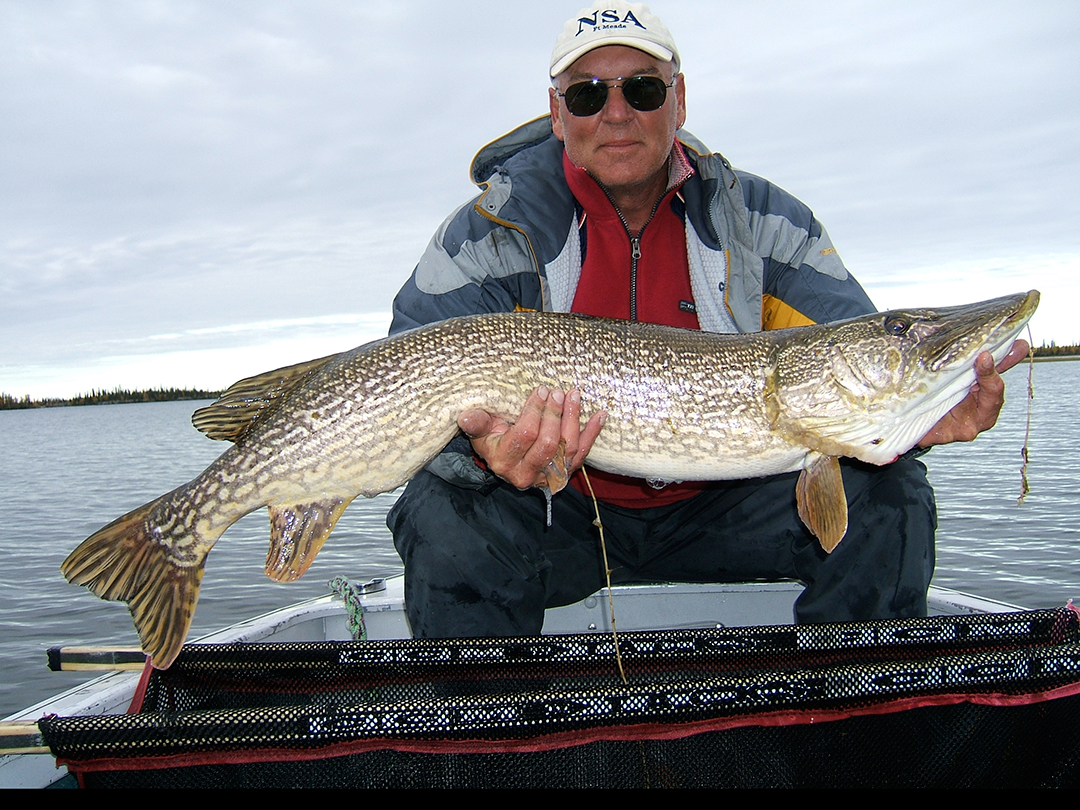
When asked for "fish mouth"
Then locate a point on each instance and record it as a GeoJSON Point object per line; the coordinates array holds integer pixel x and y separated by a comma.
{"type": "Point", "coordinates": [957, 334]}
{"type": "Point", "coordinates": [1011, 326]}
{"type": "Point", "coordinates": [1026, 310]}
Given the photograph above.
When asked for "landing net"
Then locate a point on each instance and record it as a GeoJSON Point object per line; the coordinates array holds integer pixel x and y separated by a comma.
{"type": "Point", "coordinates": [982, 700]}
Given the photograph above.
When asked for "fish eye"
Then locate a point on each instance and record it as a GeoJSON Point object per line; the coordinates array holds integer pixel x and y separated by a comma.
{"type": "Point", "coordinates": [897, 325]}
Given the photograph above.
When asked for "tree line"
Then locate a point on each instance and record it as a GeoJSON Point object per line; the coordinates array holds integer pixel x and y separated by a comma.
{"type": "Point", "coordinates": [116, 396]}
{"type": "Point", "coordinates": [1053, 350]}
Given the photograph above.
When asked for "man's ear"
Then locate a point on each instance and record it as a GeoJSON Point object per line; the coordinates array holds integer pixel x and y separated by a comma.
{"type": "Point", "coordinates": [556, 118]}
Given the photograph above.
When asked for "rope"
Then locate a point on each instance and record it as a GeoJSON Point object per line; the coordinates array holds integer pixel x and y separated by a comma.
{"type": "Point", "coordinates": [349, 594]}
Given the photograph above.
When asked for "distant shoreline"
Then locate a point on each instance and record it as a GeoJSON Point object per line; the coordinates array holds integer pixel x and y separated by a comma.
{"type": "Point", "coordinates": [1047, 359]}
{"type": "Point", "coordinates": [117, 396]}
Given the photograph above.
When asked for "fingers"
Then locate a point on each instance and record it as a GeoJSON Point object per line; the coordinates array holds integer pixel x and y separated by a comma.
{"type": "Point", "coordinates": [570, 442]}
{"type": "Point", "coordinates": [541, 430]}
{"type": "Point", "coordinates": [979, 410]}
{"type": "Point", "coordinates": [549, 427]}
{"type": "Point", "coordinates": [989, 388]}
{"type": "Point", "coordinates": [477, 424]}
{"type": "Point", "coordinates": [589, 435]}
{"type": "Point", "coordinates": [1019, 351]}
{"type": "Point", "coordinates": [989, 397]}
{"type": "Point", "coordinates": [577, 441]}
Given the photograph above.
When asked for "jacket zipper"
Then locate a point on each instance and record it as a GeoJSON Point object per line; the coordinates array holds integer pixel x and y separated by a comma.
{"type": "Point", "coordinates": [635, 241]}
{"type": "Point", "coordinates": [635, 244]}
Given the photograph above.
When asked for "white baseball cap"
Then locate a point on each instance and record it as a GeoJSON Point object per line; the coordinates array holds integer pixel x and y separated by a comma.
{"type": "Point", "coordinates": [612, 23]}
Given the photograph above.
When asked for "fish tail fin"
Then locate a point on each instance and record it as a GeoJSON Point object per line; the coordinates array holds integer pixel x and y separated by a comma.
{"type": "Point", "coordinates": [557, 473]}
{"type": "Point", "coordinates": [134, 560]}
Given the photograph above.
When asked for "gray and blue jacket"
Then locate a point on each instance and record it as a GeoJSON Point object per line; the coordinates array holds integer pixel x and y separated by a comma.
{"type": "Point", "coordinates": [758, 258]}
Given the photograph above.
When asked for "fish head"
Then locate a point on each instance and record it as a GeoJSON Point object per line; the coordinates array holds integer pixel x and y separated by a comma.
{"type": "Point", "coordinates": [872, 387]}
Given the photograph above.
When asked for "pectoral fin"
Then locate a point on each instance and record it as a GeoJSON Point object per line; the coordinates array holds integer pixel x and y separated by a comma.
{"type": "Point", "coordinates": [556, 472]}
{"type": "Point", "coordinates": [297, 532]}
{"type": "Point", "coordinates": [822, 503]}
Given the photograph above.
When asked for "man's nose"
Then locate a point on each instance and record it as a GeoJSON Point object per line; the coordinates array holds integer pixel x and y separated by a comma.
{"type": "Point", "coordinates": [616, 108]}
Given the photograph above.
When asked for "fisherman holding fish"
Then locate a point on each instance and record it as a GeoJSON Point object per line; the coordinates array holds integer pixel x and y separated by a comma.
{"type": "Point", "coordinates": [605, 208]}
{"type": "Point", "coordinates": [608, 208]}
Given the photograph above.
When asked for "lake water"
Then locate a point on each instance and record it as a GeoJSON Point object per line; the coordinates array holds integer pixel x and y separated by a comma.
{"type": "Point", "coordinates": [66, 472]}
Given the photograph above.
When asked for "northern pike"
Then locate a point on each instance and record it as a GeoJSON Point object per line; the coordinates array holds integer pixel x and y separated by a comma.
{"type": "Point", "coordinates": [682, 405]}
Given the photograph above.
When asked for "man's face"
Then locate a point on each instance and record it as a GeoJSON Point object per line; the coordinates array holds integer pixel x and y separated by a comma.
{"type": "Point", "coordinates": [623, 148]}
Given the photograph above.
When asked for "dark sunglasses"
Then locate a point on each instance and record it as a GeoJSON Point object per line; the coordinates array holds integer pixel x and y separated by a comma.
{"type": "Point", "coordinates": [643, 93]}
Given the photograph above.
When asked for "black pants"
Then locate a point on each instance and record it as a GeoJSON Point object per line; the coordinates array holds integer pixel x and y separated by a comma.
{"type": "Point", "coordinates": [488, 564]}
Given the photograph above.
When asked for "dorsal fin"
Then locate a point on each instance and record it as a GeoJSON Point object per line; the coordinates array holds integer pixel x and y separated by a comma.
{"type": "Point", "coordinates": [251, 399]}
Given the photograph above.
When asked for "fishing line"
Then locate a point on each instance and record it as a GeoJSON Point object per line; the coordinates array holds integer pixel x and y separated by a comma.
{"type": "Point", "coordinates": [607, 573]}
{"type": "Point", "coordinates": [1024, 487]}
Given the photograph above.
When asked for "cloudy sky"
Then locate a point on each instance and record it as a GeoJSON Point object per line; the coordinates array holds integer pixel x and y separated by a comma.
{"type": "Point", "coordinates": [192, 192]}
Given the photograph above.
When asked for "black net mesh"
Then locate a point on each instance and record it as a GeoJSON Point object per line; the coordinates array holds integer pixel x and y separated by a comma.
{"type": "Point", "coordinates": [987, 700]}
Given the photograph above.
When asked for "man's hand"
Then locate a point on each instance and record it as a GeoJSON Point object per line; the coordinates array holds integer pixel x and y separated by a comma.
{"type": "Point", "coordinates": [522, 452]}
{"type": "Point", "coordinates": [979, 410]}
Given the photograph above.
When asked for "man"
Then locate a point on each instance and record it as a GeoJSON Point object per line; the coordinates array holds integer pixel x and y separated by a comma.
{"type": "Point", "coordinates": [601, 209]}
